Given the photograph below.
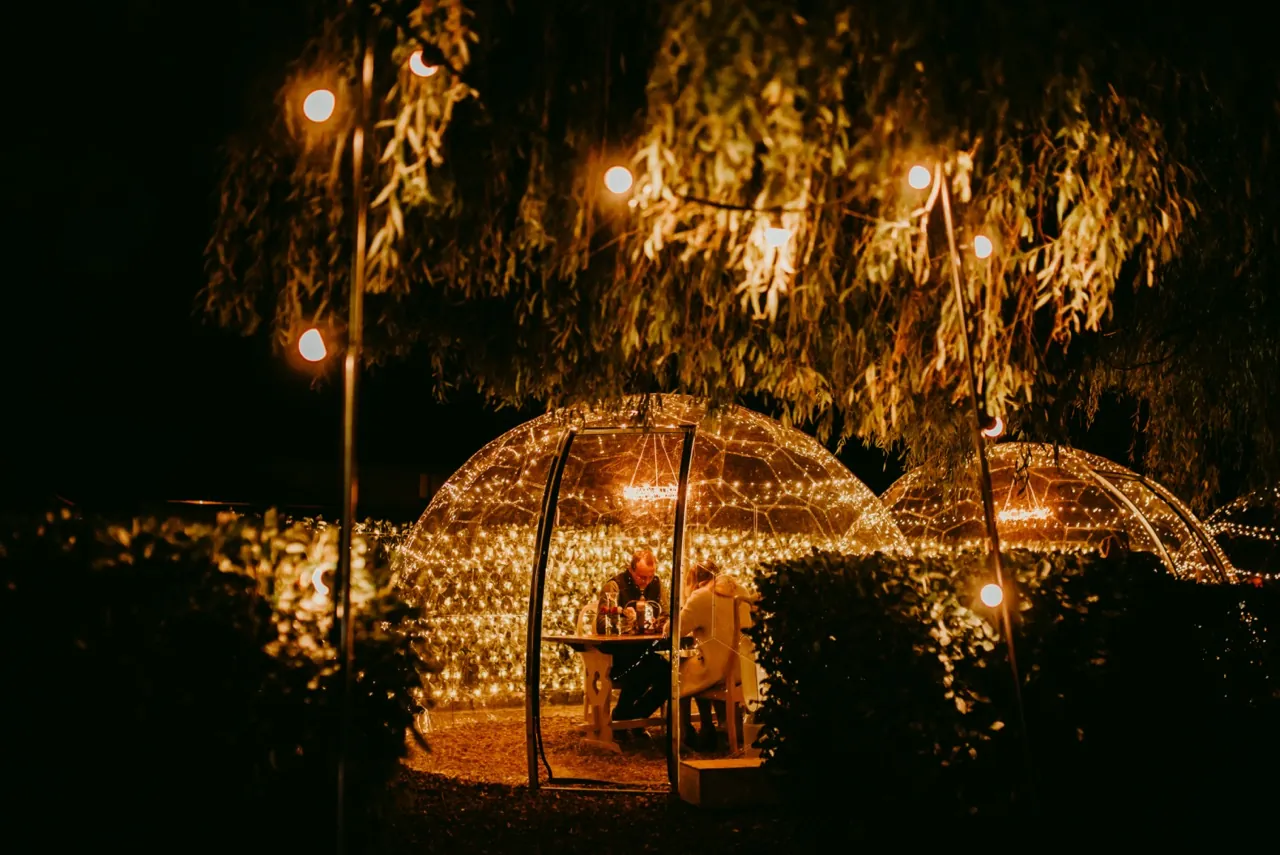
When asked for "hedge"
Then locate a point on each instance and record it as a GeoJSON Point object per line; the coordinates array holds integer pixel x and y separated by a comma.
{"type": "Point", "coordinates": [890, 691]}
{"type": "Point", "coordinates": [167, 677]}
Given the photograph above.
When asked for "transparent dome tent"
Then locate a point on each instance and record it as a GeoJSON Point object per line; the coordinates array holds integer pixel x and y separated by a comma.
{"type": "Point", "coordinates": [1058, 498]}
{"type": "Point", "coordinates": [515, 548]}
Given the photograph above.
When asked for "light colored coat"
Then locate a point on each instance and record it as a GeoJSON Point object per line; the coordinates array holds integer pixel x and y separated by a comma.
{"type": "Point", "coordinates": [707, 615]}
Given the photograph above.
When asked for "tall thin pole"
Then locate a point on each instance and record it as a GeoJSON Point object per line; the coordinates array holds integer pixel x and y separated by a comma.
{"type": "Point", "coordinates": [984, 470]}
{"type": "Point", "coordinates": [350, 482]}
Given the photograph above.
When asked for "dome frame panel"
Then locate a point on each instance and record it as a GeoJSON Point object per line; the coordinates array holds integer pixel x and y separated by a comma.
{"type": "Point", "coordinates": [534, 745]}
{"type": "Point", "coordinates": [1052, 496]}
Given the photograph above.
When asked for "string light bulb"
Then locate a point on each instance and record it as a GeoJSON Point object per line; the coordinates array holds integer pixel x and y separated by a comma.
{"type": "Point", "coordinates": [419, 67]}
{"type": "Point", "coordinates": [311, 345]}
{"type": "Point", "coordinates": [776, 236]}
{"type": "Point", "coordinates": [919, 177]}
{"type": "Point", "coordinates": [992, 595]}
{"type": "Point", "coordinates": [982, 246]}
{"type": "Point", "coordinates": [618, 179]}
{"type": "Point", "coordinates": [319, 105]}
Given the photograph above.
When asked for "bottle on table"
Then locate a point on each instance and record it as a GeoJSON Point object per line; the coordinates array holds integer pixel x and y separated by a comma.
{"type": "Point", "coordinates": [610, 613]}
{"type": "Point", "coordinates": [642, 616]}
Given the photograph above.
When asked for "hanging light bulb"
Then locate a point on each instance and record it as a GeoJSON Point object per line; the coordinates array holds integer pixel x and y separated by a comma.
{"type": "Point", "coordinates": [776, 236]}
{"type": "Point", "coordinates": [982, 246]}
{"type": "Point", "coordinates": [311, 345]}
{"type": "Point", "coordinates": [992, 595]}
{"type": "Point", "coordinates": [618, 179]}
{"type": "Point", "coordinates": [994, 429]}
{"type": "Point", "coordinates": [319, 105]}
{"type": "Point", "coordinates": [420, 67]}
{"type": "Point", "coordinates": [919, 177]}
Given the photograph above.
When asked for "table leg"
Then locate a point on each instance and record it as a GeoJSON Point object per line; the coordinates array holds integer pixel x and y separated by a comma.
{"type": "Point", "coordinates": [599, 694]}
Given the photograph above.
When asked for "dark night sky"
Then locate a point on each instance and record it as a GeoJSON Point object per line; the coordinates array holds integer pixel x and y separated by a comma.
{"type": "Point", "coordinates": [118, 391]}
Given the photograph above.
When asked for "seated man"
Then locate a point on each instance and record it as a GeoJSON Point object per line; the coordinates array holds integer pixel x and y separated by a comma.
{"type": "Point", "coordinates": [643, 676]}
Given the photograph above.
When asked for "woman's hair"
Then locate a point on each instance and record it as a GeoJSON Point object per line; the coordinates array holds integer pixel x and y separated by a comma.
{"type": "Point", "coordinates": [703, 571]}
{"type": "Point", "coordinates": [641, 554]}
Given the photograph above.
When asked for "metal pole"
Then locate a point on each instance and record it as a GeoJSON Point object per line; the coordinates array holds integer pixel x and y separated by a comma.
{"type": "Point", "coordinates": [980, 443]}
{"type": "Point", "coordinates": [673, 611]}
{"type": "Point", "coordinates": [350, 482]}
{"type": "Point", "coordinates": [533, 639]}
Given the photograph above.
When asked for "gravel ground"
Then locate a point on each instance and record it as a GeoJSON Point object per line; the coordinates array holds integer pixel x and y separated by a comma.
{"type": "Point", "coordinates": [438, 814]}
{"type": "Point", "coordinates": [470, 793]}
{"type": "Point", "coordinates": [489, 747]}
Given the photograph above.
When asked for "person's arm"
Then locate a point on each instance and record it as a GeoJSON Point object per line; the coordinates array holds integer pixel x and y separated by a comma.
{"type": "Point", "coordinates": [686, 616]}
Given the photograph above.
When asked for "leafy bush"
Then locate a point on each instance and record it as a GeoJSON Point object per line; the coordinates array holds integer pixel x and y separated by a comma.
{"type": "Point", "coordinates": [176, 676]}
{"type": "Point", "coordinates": [891, 687]}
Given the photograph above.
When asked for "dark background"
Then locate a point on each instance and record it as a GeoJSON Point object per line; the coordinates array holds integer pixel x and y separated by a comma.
{"type": "Point", "coordinates": [119, 393]}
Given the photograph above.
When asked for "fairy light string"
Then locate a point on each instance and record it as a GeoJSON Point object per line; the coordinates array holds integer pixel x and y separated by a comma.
{"type": "Point", "coordinates": [1247, 530]}
{"type": "Point", "coordinates": [1058, 500]}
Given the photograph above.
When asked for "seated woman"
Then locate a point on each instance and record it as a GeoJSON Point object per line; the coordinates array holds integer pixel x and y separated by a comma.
{"type": "Point", "coordinates": [707, 615]}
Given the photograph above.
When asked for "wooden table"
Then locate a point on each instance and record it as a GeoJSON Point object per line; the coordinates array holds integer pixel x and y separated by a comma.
{"type": "Point", "coordinates": [597, 655]}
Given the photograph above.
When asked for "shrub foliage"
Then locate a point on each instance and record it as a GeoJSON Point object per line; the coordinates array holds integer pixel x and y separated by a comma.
{"type": "Point", "coordinates": [891, 687]}
{"type": "Point", "coordinates": [178, 676]}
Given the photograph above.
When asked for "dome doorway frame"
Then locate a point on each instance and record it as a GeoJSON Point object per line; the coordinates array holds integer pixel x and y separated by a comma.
{"type": "Point", "coordinates": [533, 644]}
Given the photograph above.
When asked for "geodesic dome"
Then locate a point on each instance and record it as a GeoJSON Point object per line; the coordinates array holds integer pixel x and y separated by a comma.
{"type": "Point", "coordinates": [1056, 498]}
{"type": "Point", "coordinates": [1248, 530]}
{"type": "Point", "coordinates": [756, 491]}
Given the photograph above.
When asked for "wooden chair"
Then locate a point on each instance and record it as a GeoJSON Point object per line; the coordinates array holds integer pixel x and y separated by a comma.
{"type": "Point", "coordinates": [729, 690]}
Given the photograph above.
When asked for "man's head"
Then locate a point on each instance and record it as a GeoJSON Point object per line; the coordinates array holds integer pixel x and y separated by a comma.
{"type": "Point", "coordinates": [643, 568]}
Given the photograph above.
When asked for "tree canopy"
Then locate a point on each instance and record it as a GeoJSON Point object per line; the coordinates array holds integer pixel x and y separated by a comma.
{"type": "Point", "coordinates": [771, 244]}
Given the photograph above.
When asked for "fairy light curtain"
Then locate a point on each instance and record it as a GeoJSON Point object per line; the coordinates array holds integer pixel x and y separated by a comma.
{"type": "Point", "coordinates": [758, 492]}
{"type": "Point", "coordinates": [1056, 498]}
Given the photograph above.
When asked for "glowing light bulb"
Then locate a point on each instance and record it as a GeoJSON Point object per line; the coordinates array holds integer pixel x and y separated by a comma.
{"type": "Point", "coordinates": [618, 179]}
{"type": "Point", "coordinates": [982, 246]}
{"type": "Point", "coordinates": [919, 177]}
{"type": "Point", "coordinates": [319, 105]}
{"type": "Point", "coordinates": [419, 67]}
{"type": "Point", "coordinates": [311, 345]}
{"type": "Point", "coordinates": [775, 236]}
{"type": "Point", "coordinates": [994, 430]}
{"type": "Point", "coordinates": [992, 595]}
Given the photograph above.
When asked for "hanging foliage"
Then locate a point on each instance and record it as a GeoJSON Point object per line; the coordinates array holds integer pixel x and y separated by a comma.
{"type": "Point", "coordinates": [771, 244]}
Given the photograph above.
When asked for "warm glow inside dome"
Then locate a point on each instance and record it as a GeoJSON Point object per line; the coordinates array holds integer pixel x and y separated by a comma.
{"type": "Point", "coordinates": [1056, 498]}
{"type": "Point", "coordinates": [757, 492]}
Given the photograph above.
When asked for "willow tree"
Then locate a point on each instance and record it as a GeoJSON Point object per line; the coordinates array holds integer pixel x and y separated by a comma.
{"type": "Point", "coordinates": [1195, 358]}
{"type": "Point", "coordinates": [771, 244]}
